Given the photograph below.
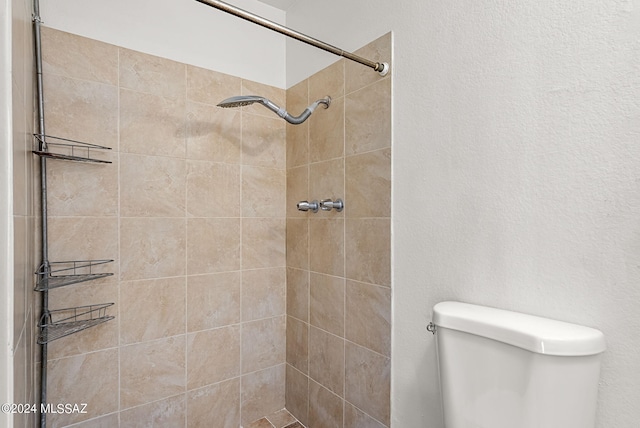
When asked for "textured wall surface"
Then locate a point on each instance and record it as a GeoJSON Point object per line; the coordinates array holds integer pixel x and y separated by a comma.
{"type": "Point", "coordinates": [515, 173]}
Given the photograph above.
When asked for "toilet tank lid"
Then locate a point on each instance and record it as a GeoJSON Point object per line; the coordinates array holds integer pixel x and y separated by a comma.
{"type": "Point", "coordinates": [536, 334]}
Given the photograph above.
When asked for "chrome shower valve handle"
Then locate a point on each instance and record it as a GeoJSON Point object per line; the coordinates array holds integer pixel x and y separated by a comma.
{"type": "Point", "coordinates": [308, 206]}
{"type": "Point", "coordinates": [328, 205]}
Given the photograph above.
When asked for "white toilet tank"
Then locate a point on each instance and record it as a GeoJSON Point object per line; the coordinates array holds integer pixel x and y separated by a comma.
{"type": "Point", "coordinates": [502, 369]}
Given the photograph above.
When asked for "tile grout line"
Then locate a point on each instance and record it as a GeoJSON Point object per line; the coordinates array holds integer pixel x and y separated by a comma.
{"type": "Point", "coordinates": [186, 250]}
{"type": "Point", "coordinates": [344, 244]}
{"type": "Point", "coordinates": [119, 327]}
{"type": "Point", "coordinates": [308, 272]}
{"type": "Point", "coordinates": [240, 213]}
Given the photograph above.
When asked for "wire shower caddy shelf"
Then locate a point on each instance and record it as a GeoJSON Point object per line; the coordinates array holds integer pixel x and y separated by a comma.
{"type": "Point", "coordinates": [59, 323]}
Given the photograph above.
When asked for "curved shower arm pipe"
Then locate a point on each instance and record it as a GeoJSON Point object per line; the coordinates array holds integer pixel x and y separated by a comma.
{"type": "Point", "coordinates": [245, 100]}
{"type": "Point", "coordinates": [380, 67]}
{"type": "Point", "coordinates": [297, 120]}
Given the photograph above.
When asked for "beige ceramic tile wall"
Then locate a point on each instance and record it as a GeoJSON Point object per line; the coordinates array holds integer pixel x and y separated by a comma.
{"type": "Point", "coordinates": [338, 264]}
{"type": "Point", "coordinates": [24, 211]}
{"type": "Point", "coordinates": [192, 209]}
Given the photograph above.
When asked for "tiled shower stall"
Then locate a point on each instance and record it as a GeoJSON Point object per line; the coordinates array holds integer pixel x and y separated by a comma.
{"type": "Point", "coordinates": [230, 304]}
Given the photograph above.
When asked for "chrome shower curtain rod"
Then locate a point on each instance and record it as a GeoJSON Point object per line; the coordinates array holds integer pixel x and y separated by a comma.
{"type": "Point", "coordinates": [380, 67]}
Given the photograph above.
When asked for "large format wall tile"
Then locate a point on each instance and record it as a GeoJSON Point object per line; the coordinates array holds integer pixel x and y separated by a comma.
{"type": "Point", "coordinates": [262, 194]}
{"type": "Point", "coordinates": [326, 246]}
{"type": "Point", "coordinates": [367, 381]}
{"type": "Point", "coordinates": [88, 378]}
{"type": "Point", "coordinates": [325, 408]}
{"type": "Point", "coordinates": [297, 190]}
{"type": "Point", "coordinates": [327, 132]}
{"type": "Point", "coordinates": [218, 403]}
{"type": "Point", "coordinates": [297, 135]}
{"type": "Point", "coordinates": [211, 87]}
{"type": "Point", "coordinates": [298, 344]}
{"type": "Point", "coordinates": [100, 337]}
{"type": "Point", "coordinates": [326, 360]}
{"type": "Point", "coordinates": [84, 238]}
{"type": "Point", "coordinates": [368, 316]}
{"type": "Point", "coordinates": [213, 133]}
{"type": "Point", "coordinates": [69, 55]}
{"type": "Point", "coordinates": [107, 421]}
{"type": "Point", "coordinates": [213, 300]}
{"type": "Point", "coordinates": [213, 356]}
{"type": "Point", "coordinates": [151, 309]}
{"type": "Point", "coordinates": [152, 124]}
{"type": "Point", "coordinates": [357, 76]}
{"type": "Point", "coordinates": [20, 296]}
{"type": "Point", "coordinates": [152, 186]}
{"type": "Point", "coordinates": [368, 250]}
{"type": "Point", "coordinates": [262, 393]}
{"type": "Point", "coordinates": [170, 412]}
{"type": "Point", "coordinates": [326, 181]}
{"type": "Point", "coordinates": [263, 141]}
{"type": "Point", "coordinates": [367, 120]}
{"type": "Point", "coordinates": [151, 74]}
{"type": "Point", "coordinates": [263, 293]}
{"type": "Point", "coordinates": [263, 242]}
{"type": "Point", "coordinates": [81, 189]}
{"type": "Point", "coordinates": [298, 293]}
{"type": "Point", "coordinates": [326, 303]}
{"type": "Point", "coordinates": [272, 93]}
{"type": "Point", "coordinates": [213, 189]}
{"type": "Point", "coordinates": [372, 199]}
{"type": "Point", "coordinates": [24, 278]}
{"type": "Point", "coordinates": [152, 247]}
{"type": "Point", "coordinates": [297, 243]}
{"type": "Point", "coordinates": [356, 418]}
{"type": "Point", "coordinates": [23, 159]}
{"type": "Point", "coordinates": [213, 245]}
{"type": "Point", "coordinates": [151, 371]}
{"type": "Point", "coordinates": [329, 81]}
{"type": "Point", "coordinates": [297, 394]}
{"type": "Point", "coordinates": [81, 110]}
{"type": "Point", "coordinates": [263, 343]}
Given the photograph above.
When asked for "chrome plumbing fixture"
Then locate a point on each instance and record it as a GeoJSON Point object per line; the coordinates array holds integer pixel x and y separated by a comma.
{"type": "Point", "coordinates": [381, 67]}
{"type": "Point", "coordinates": [245, 100]}
{"type": "Point", "coordinates": [308, 206]}
{"type": "Point", "coordinates": [328, 205]}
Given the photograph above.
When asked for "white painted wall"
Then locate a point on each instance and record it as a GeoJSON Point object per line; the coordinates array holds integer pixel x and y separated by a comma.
{"type": "Point", "coordinates": [182, 30]}
{"type": "Point", "coordinates": [6, 215]}
{"type": "Point", "coordinates": [516, 171]}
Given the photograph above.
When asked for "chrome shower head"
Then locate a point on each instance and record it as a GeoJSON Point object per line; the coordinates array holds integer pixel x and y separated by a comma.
{"type": "Point", "coordinates": [245, 100]}
{"type": "Point", "coordinates": [241, 101]}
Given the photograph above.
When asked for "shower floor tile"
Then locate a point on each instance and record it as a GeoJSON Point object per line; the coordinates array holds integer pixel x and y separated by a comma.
{"type": "Point", "coordinates": [260, 423]}
{"type": "Point", "coordinates": [280, 419]}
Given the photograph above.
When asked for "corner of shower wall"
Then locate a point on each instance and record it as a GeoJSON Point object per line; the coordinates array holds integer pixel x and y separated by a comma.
{"type": "Point", "coordinates": [339, 263]}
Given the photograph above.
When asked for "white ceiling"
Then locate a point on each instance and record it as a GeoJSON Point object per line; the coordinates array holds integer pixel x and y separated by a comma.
{"type": "Point", "coordinates": [280, 4]}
